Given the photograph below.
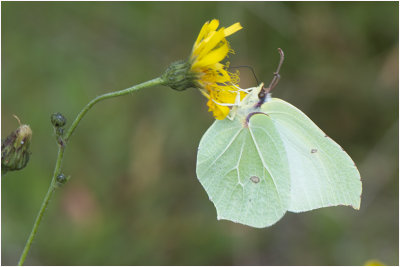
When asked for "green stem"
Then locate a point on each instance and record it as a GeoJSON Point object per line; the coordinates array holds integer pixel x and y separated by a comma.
{"type": "Point", "coordinates": [57, 169]}
{"type": "Point", "coordinates": [45, 202]}
{"type": "Point", "coordinates": [78, 118]}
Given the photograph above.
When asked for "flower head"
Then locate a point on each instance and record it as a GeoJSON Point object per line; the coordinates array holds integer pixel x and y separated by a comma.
{"type": "Point", "coordinates": [15, 149]}
{"type": "Point", "coordinates": [205, 71]}
{"type": "Point", "coordinates": [212, 77]}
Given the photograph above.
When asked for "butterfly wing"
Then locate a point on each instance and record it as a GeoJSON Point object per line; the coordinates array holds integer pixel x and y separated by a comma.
{"type": "Point", "coordinates": [272, 159]}
{"type": "Point", "coordinates": [244, 171]}
{"type": "Point", "coordinates": [322, 174]}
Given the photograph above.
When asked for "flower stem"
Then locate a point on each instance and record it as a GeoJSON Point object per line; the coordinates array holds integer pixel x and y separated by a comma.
{"type": "Point", "coordinates": [45, 202]}
{"type": "Point", "coordinates": [57, 168]}
{"type": "Point", "coordinates": [78, 118]}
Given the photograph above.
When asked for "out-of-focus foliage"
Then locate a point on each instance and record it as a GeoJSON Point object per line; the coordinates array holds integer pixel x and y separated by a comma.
{"type": "Point", "coordinates": [133, 197]}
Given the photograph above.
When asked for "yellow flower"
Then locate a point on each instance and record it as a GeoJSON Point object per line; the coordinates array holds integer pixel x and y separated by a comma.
{"type": "Point", "coordinates": [205, 71]}
{"type": "Point", "coordinates": [373, 262]}
{"type": "Point", "coordinates": [211, 76]}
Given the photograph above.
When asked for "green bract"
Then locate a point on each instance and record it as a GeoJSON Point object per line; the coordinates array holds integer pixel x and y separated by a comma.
{"type": "Point", "coordinates": [271, 159]}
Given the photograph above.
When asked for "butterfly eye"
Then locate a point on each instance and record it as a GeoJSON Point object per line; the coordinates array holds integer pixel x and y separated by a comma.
{"type": "Point", "coordinates": [261, 94]}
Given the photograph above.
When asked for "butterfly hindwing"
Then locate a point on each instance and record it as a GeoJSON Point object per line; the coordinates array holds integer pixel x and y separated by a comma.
{"type": "Point", "coordinates": [246, 184]}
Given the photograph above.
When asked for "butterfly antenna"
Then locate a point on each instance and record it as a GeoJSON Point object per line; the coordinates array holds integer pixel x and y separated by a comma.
{"type": "Point", "coordinates": [249, 67]}
{"type": "Point", "coordinates": [265, 90]}
{"type": "Point", "coordinates": [276, 77]}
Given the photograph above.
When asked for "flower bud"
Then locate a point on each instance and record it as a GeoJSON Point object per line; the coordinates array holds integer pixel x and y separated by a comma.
{"type": "Point", "coordinates": [178, 76]}
{"type": "Point", "coordinates": [15, 149]}
{"type": "Point", "coordinates": [58, 120]}
{"type": "Point", "coordinates": [61, 179]}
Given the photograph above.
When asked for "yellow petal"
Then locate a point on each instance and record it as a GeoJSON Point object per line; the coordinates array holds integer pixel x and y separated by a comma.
{"type": "Point", "coordinates": [219, 112]}
{"type": "Point", "coordinates": [203, 92]}
{"type": "Point", "coordinates": [212, 79]}
{"type": "Point", "coordinates": [226, 96]}
{"type": "Point", "coordinates": [232, 29]}
{"type": "Point", "coordinates": [206, 29]}
{"type": "Point", "coordinates": [213, 57]}
{"type": "Point", "coordinates": [201, 33]}
{"type": "Point", "coordinates": [221, 76]}
{"type": "Point", "coordinates": [221, 79]}
{"type": "Point", "coordinates": [199, 50]}
{"type": "Point", "coordinates": [214, 40]}
{"type": "Point", "coordinates": [219, 66]}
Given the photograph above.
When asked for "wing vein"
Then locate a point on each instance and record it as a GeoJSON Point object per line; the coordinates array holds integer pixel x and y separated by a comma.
{"type": "Point", "coordinates": [220, 155]}
{"type": "Point", "coordinates": [265, 166]}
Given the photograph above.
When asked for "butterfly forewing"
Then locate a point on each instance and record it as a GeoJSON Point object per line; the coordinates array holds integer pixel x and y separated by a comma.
{"type": "Point", "coordinates": [321, 172]}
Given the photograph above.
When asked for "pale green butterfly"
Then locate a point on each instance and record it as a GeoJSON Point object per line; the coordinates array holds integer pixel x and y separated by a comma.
{"type": "Point", "coordinates": [268, 157]}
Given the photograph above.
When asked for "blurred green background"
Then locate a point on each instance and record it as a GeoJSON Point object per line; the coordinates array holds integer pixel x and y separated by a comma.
{"type": "Point", "coordinates": [134, 198]}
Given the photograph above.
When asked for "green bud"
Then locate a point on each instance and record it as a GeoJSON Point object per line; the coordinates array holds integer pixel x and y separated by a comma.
{"type": "Point", "coordinates": [61, 179]}
{"type": "Point", "coordinates": [58, 120]}
{"type": "Point", "coordinates": [178, 76]}
{"type": "Point", "coordinates": [15, 149]}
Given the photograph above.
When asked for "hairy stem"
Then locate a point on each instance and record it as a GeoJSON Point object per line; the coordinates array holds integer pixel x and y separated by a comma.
{"type": "Point", "coordinates": [57, 168]}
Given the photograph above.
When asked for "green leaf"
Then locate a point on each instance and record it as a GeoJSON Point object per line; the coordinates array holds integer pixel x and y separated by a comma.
{"type": "Point", "coordinates": [272, 159]}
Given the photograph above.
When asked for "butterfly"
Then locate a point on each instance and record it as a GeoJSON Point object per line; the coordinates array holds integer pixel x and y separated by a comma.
{"type": "Point", "coordinates": [268, 158]}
